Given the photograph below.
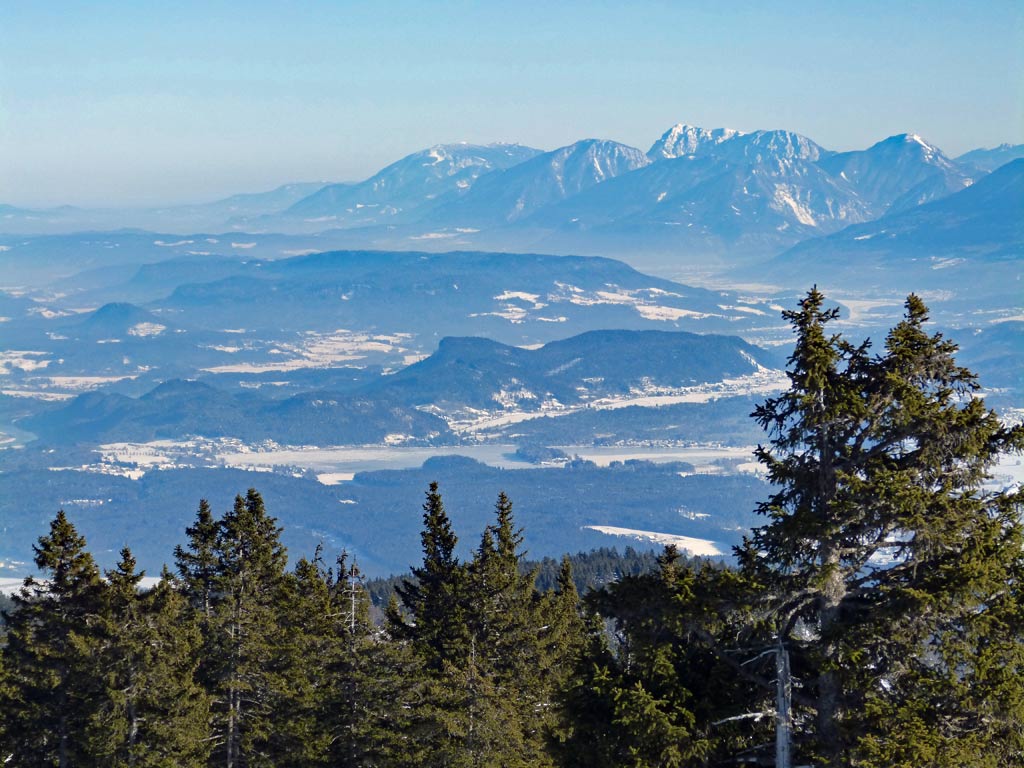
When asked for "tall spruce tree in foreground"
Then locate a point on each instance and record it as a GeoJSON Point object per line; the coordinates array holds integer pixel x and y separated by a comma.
{"type": "Point", "coordinates": [197, 563]}
{"type": "Point", "coordinates": [244, 668]}
{"type": "Point", "coordinates": [52, 685]}
{"type": "Point", "coordinates": [507, 694]}
{"type": "Point", "coordinates": [891, 572]}
{"type": "Point", "coordinates": [340, 698]}
{"type": "Point", "coordinates": [308, 647]}
{"type": "Point", "coordinates": [435, 628]}
{"type": "Point", "coordinates": [436, 596]}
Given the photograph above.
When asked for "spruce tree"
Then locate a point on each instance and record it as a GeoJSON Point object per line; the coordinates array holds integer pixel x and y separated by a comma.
{"type": "Point", "coordinates": [564, 641]}
{"type": "Point", "coordinates": [153, 713]}
{"type": "Point", "coordinates": [337, 705]}
{"type": "Point", "coordinates": [891, 570]}
{"type": "Point", "coordinates": [434, 627]}
{"type": "Point", "coordinates": [370, 680]}
{"type": "Point", "coordinates": [306, 648]}
{"type": "Point", "coordinates": [243, 668]}
{"type": "Point", "coordinates": [436, 596]}
{"type": "Point", "coordinates": [661, 690]}
{"type": "Point", "coordinates": [176, 729]}
{"type": "Point", "coordinates": [115, 728]}
{"type": "Point", "coordinates": [197, 564]}
{"type": "Point", "coordinates": [505, 691]}
{"type": "Point", "coordinates": [52, 686]}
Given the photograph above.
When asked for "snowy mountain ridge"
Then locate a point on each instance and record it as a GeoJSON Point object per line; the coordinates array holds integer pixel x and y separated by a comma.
{"type": "Point", "coordinates": [697, 194]}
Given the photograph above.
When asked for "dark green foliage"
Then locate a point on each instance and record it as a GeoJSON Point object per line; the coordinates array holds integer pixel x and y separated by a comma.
{"type": "Point", "coordinates": [590, 570]}
{"type": "Point", "coordinates": [197, 565]}
{"type": "Point", "coordinates": [599, 568]}
{"type": "Point", "coordinates": [243, 667]}
{"type": "Point", "coordinates": [98, 674]}
{"type": "Point", "coordinates": [504, 689]}
{"type": "Point", "coordinates": [372, 680]}
{"type": "Point", "coordinates": [153, 713]}
{"type": "Point", "coordinates": [491, 667]}
{"type": "Point", "coordinates": [436, 596]}
{"type": "Point", "coordinates": [661, 690]}
{"type": "Point", "coordinates": [343, 681]}
{"type": "Point", "coordinates": [299, 674]}
{"type": "Point", "coordinates": [6, 606]}
{"type": "Point", "coordinates": [52, 688]}
{"type": "Point", "coordinates": [890, 570]}
{"type": "Point", "coordinates": [307, 647]}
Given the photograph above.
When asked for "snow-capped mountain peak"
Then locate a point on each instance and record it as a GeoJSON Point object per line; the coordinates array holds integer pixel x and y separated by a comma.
{"type": "Point", "coordinates": [785, 145]}
{"type": "Point", "coordinates": [898, 173]}
{"type": "Point", "coordinates": [682, 140]}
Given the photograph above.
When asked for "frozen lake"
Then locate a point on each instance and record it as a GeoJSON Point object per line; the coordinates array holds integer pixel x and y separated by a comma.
{"type": "Point", "coordinates": [339, 464]}
{"type": "Point", "coordinates": [336, 464]}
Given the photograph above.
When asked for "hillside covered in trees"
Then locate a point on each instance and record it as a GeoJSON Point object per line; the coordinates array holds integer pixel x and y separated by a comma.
{"type": "Point", "coordinates": [875, 618]}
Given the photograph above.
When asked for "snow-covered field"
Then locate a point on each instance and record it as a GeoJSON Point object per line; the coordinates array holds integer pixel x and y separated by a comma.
{"type": "Point", "coordinates": [10, 586]}
{"type": "Point", "coordinates": [700, 547]}
{"type": "Point", "coordinates": [477, 422]}
{"type": "Point", "coordinates": [321, 350]}
{"type": "Point", "coordinates": [337, 464]}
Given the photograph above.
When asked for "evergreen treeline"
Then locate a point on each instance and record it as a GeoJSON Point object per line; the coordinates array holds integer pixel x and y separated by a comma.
{"type": "Point", "coordinates": [875, 619]}
{"type": "Point", "coordinates": [590, 570]}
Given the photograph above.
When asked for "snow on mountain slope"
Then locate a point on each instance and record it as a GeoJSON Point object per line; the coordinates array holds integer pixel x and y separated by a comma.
{"type": "Point", "coordinates": [974, 238]}
{"type": "Point", "coordinates": [410, 184]}
{"type": "Point", "coordinates": [681, 140]}
{"type": "Point", "coordinates": [898, 173]}
{"type": "Point", "coordinates": [758, 192]}
{"type": "Point", "coordinates": [514, 194]}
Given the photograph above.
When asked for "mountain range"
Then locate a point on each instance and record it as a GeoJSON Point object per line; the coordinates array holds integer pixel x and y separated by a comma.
{"type": "Point", "coordinates": [696, 194]}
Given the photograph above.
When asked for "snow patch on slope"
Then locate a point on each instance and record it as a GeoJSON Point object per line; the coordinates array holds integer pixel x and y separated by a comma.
{"type": "Point", "coordinates": [698, 547]}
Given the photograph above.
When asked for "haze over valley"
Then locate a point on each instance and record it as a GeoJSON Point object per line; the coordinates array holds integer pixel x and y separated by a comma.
{"type": "Point", "coordinates": [342, 344]}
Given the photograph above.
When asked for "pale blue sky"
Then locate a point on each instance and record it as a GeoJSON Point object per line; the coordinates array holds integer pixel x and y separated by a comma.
{"type": "Point", "coordinates": [142, 102]}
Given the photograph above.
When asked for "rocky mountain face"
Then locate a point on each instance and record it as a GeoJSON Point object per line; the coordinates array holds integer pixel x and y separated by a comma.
{"type": "Point", "coordinates": [898, 173]}
{"type": "Point", "coordinates": [973, 237]}
{"type": "Point", "coordinates": [683, 140]}
{"type": "Point", "coordinates": [742, 193]}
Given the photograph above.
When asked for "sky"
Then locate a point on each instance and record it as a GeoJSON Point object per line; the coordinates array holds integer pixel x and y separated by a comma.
{"type": "Point", "coordinates": [129, 103]}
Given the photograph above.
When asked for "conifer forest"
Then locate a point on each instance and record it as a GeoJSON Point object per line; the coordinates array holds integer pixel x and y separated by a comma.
{"type": "Point", "coordinates": [874, 617]}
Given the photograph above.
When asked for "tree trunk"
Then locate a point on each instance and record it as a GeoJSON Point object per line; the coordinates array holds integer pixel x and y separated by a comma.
{"type": "Point", "coordinates": [133, 730]}
{"type": "Point", "coordinates": [828, 683]}
{"type": "Point", "coordinates": [783, 719]}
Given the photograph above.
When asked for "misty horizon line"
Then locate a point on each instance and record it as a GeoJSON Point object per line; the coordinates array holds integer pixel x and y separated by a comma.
{"type": "Point", "coordinates": [227, 191]}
